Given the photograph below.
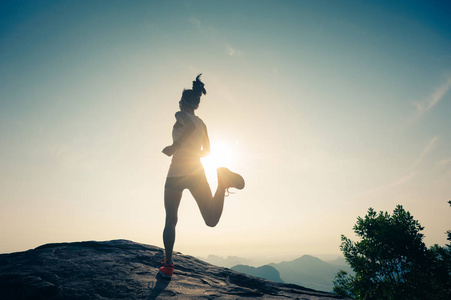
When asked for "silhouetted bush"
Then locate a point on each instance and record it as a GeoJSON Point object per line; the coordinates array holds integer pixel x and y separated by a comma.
{"type": "Point", "coordinates": [392, 262]}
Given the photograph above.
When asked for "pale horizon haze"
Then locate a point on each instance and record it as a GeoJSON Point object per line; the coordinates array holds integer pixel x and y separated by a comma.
{"type": "Point", "coordinates": [326, 108]}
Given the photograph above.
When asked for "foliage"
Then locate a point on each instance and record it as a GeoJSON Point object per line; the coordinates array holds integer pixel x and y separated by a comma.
{"type": "Point", "coordinates": [449, 232]}
{"type": "Point", "coordinates": [391, 261]}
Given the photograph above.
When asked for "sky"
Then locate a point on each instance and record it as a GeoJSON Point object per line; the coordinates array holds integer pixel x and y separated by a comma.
{"type": "Point", "coordinates": [326, 108]}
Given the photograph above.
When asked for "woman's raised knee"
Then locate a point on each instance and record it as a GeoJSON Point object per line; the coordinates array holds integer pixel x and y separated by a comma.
{"type": "Point", "coordinates": [211, 223]}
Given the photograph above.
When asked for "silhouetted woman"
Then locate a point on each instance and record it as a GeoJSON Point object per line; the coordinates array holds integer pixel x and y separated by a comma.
{"type": "Point", "coordinates": [190, 143]}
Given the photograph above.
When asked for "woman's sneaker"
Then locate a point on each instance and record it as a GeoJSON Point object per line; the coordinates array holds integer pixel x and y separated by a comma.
{"type": "Point", "coordinates": [167, 270]}
{"type": "Point", "coordinates": [228, 179]}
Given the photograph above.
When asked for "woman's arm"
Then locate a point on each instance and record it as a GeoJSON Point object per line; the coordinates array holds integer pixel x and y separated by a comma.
{"type": "Point", "coordinates": [188, 128]}
{"type": "Point", "coordinates": [205, 143]}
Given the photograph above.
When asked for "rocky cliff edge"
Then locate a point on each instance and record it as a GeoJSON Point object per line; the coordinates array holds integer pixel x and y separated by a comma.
{"type": "Point", "coordinates": [122, 269]}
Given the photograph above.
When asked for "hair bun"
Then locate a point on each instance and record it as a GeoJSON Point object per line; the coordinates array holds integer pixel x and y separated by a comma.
{"type": "Point", "coordinates": [198, 86]}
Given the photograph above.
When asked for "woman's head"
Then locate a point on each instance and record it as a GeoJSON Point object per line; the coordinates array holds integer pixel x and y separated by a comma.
{"type": "Point", "coordinates": [191, 98]}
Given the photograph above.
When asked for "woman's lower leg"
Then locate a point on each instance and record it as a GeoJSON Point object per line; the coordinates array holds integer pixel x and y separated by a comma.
{"type": "Point", "coordinates": [217, 206]}
{"type": "Point", "coordinates": [169, 240]}
{"type": "Point", "coordinates": [171, 202]}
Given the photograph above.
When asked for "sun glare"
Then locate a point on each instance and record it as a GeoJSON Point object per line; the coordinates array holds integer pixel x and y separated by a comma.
{"type": "Point", "coordinates": [221, 155]}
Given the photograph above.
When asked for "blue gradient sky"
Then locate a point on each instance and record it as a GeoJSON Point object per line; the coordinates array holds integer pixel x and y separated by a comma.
{"type": "Point", "coordinates": [326, 107]}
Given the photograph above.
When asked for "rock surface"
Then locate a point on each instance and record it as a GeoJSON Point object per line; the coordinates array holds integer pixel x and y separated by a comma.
{"type": "Point", "coordinates": [123, 269]}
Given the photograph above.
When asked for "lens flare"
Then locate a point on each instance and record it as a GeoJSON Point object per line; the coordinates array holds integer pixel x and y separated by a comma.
{"type": "Point", "coordinates": [221, 155]}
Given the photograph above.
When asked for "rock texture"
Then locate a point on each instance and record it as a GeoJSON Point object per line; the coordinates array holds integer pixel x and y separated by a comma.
{"type": "Point", "coordinates": [122, 269]}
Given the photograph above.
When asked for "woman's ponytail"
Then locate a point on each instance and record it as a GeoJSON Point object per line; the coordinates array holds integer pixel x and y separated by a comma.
{"type": "Point", "coordinates": [198, 86]}
{"type": "Point", "coordinates": [192, 97]}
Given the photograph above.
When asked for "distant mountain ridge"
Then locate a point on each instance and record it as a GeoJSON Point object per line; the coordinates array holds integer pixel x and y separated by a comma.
{"type": "Point", "coordinates": [311, 271]}
{"type": "Point", "coordinates": [227, 262]}
{"type": "Point", "coordinates": [307, 270]}
{"type": "Point", "coordinates": [339, 261]}
{"type": "Point", "coordinates": [267, 272]}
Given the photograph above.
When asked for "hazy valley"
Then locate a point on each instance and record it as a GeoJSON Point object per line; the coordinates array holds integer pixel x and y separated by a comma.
{"type": "Point", "coordinates": [307, 270]}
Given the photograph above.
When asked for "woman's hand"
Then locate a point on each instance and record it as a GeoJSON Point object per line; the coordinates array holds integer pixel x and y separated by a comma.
{"type": "Point", "coordinates": [169, 150]}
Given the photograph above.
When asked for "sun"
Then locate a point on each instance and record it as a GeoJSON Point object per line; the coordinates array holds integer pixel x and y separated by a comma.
{"type": "Point", "coordinates": [221, 155]}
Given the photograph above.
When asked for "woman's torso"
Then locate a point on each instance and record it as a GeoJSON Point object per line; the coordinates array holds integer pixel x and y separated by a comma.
{"type": "Point", "coordinates": [186, 160]}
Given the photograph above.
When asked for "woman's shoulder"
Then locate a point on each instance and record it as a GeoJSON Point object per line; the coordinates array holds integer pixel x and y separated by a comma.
{"type": "Point", "coordinates": [182, 116]}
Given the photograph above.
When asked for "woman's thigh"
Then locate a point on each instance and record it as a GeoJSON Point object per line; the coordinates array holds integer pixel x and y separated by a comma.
{"type": "Point", "coordinates": [202, 194]}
